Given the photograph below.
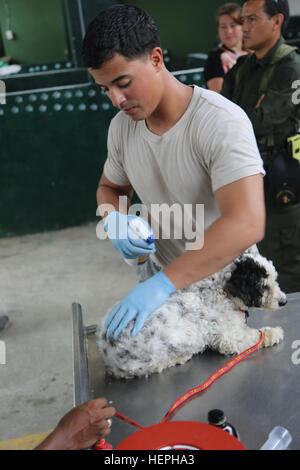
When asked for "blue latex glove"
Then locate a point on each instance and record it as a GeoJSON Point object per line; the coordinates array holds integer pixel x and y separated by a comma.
{"type": "Point", "coordinates": [138, 304]}
{"type": "Point", "coordinates": [124, 239]}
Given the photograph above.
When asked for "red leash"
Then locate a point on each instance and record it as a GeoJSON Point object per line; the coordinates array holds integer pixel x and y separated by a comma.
{"type": "Point", "coordinates": [194, 391]}
{"type": "Point", "coordinates": [118, 415]}
{"type": "Point", "coordinates": [216, 375]}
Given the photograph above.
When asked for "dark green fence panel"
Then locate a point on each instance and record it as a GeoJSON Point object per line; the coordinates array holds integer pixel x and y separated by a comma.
{"type": "Point", "coordinates": [53, 146]}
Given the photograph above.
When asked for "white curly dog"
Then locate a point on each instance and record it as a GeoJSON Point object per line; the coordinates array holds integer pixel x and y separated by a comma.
{"type": "Point", "coordinates": [210, 314]}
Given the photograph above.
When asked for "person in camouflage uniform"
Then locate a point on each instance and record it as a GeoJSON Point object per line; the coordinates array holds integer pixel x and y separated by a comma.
{"type": "Point", "coordinates": [263, 84]}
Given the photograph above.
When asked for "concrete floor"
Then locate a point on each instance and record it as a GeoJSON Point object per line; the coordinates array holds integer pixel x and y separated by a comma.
{"type": "Point", "coordinates": [40, 276]}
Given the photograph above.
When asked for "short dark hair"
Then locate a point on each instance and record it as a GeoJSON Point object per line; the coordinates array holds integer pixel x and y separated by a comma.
{"type": "Point", "coordinates": [120, 29]}
{"type": "Point", "coordinates": [273, 7]}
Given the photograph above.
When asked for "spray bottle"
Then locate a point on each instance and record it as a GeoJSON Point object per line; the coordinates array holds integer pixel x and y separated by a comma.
{"type": "Point", "coordinates": [145, 233]}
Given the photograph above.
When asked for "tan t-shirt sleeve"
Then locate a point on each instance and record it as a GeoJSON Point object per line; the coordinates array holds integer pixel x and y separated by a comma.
{"type": "Point", "coordinates": [114, 167]}
{"type": "Point", "coordinates": [232, 153]}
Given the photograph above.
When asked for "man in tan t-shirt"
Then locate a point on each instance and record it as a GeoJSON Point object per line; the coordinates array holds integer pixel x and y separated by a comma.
{"type": "Point", "coordinates": [170, 143]}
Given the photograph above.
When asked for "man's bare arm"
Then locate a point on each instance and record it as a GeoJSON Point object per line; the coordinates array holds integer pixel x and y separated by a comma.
{"type": "Point", "coordinates": [215, 84]}
{"type": "Point", "coordinates": [108, 193]}
{"type": "Point", "coordinates": [242, 223]}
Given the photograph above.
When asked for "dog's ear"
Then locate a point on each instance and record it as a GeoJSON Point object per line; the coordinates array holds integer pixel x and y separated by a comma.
{"type": "Point", "coordinates": [246, 283]}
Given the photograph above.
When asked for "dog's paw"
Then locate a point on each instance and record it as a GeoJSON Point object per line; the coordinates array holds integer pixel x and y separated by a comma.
{"type": "Point", "coordinates": [272, 336]}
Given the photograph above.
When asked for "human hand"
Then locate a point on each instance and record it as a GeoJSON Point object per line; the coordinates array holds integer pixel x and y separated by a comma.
{"type": "Point", "coordinates": [228, 60]}
{"type": "Point", "coordinates": [81, 427]}
{"type": "Point", "coordinates": [124, 239]}
{"type": "Point", "coordinates": [138, 304]}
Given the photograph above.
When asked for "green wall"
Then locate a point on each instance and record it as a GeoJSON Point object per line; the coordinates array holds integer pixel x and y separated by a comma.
{"type": "Point", "coordinates": [51, 156]}
{"type": "Point", "coordinates": [184, 27]}
{"type": "Point", "coordinates": [39, 31]}
{"type": "Point", "coordinates": [53, 141]}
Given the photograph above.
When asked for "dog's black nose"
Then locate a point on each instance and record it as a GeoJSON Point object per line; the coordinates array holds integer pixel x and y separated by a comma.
{"type": "Point", "coordinates": [282, 302]}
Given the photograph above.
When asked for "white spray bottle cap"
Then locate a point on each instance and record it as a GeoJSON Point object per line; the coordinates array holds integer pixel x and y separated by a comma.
{"type": "Point", "coordinates": [142, 231]}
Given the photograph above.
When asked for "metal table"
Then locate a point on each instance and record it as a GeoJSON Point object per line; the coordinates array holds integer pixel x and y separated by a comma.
{"type": "Point", "coordinates": [256, 395]}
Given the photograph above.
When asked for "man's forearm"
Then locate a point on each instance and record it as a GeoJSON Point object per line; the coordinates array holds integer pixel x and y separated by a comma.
{"type": "Point", "coordinates": [55, 441]}
{"type": "Point", "coordinates": [109, 199]}
{"type": "Point", "coordinates": [225, 239]}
